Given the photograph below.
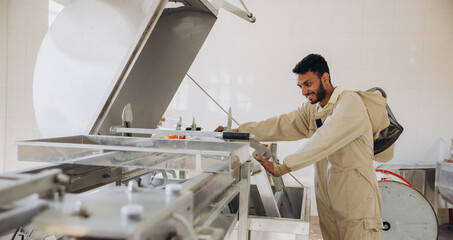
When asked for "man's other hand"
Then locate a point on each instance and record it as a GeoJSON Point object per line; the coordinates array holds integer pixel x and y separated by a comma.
{"type": "Point", "coordinates": [268, 165]}
{"type": "Point", "coordinates": [219, 129]}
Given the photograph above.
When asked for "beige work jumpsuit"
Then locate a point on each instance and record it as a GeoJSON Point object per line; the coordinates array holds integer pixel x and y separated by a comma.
{"type": "Point", "coordinates": [347, 194]}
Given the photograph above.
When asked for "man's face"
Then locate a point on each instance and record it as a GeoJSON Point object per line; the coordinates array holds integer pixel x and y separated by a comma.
{"type": "Point", "coordinates": [311, 86]}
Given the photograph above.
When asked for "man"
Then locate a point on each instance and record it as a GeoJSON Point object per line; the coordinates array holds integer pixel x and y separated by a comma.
{"type": "Point", "coordinates": [340, 144]}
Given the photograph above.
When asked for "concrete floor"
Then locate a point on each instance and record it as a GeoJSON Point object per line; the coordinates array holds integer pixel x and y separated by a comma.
{"type": "Point", "coordinates": [315, 232]}
{"type": "Point", "coordinates": [445, 232]}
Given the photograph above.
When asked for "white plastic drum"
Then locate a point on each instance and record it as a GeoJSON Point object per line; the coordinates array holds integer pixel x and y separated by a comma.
{"type": "Point", "coordinates": [406, 214]}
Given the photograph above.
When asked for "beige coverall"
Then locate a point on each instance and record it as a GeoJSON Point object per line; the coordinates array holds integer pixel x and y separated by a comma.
{"type": "Point", "coordinates": [347, 194]}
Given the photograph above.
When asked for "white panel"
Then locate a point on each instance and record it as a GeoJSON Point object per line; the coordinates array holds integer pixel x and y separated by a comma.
{"type": "Point", "coordinates": [409, 23]}
{"type": "Point", "coordinates": [435, 78]}
{"type": "Point", "coordinates": [324, 22]}
{"type": "Point", "coordinates": [2, 105]}
{"type": "Point", "coordinates": [20, 104]}
{"type": "Point", "coordinates": [260, 41]}
{"type": "Point", "coordinates": [3, 39]}
{"type": "Point", "coordinates": [325, 7]}
{"type": "Point", "coordinates": [408, 41]}
{"type": "Point", "coordinates": [17, 42]}
{"type": "Point", "coordinates": [378, 23]}
{"type": "Point", "coordinates": [343, 23]}
{"type": "Point", "coordinates": [439, 6]}
{"type": "Point", "coordinates": [292, 7]}
{"type": "Point", "coordinates": [19, 14]}
{"type": "Point", "coordinates": [347, 41]}
{"type": "Point", "coordinates": [286, 23]}
{"type": "Point", "coordinates": [346, 78]}
{"type": "Point", "coordinates": [2, 144]}
{"type": "Point", "coordinates": [437, 60]}
{"type": "Point", "coordinates": [407, 60]}
{"type": "Point", "coordinates": [4, 13]}
{"type": "Point", "coordinates": [374, 60]}
{"type": "Point", "coordinates": [411, 6]}
{"type": "Point", "coordinates": [349, 6]}
{"type": "Point", "coordinates": [404, 80]}
{"type": "Point", "coordinates": [38, 17]}
{"type": "Point", "coordinates": [426, 118]}
{"type": "Point", "coordinates": [345, 59]}
{"type": "Point", "coordinates": [439, 23]}
{"type": "Point", "coordinates": [438, 42]}
{"type": "Point", "coordinates": [20, 74]}
{"type": "Point", "coordinates": [438, 98]}
{"type": "Point", "coordinates": [379, 7]}
{"type": "Point", "coordinates": [33, 43]}
{"type": "Point", "coordinates": [37, 3]}
{"type": "Point", "coordinates": [372, 78]}
{"type": "Point", "coordinates": [377, 41]}
{"type": "Point", "coordinates": [3, 61]}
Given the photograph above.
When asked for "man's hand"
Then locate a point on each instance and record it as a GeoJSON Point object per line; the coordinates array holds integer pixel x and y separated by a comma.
{"type": "Point", "coordinates": [269, 166]}
{"type": "Point", "coordinates": [219, 129]}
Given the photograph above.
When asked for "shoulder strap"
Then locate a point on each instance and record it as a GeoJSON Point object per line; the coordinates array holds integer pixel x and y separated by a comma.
{"type": "Point", "coordinates": [376, 103]}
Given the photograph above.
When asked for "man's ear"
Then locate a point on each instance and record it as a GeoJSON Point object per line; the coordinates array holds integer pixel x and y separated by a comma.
{"type": "Point", "coordinates": [325, 78]}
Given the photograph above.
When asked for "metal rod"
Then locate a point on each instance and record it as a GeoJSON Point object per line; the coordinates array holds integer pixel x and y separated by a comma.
{"type": "Point", "coordinates": [116, 129]}
{"type": "Point", "coordinates": [246, 9]}
{"type": "Point", "coordinates": [296, 179]}
{"type": "Point", "coordinates": [220, 205]}
{"type": "Point", "coordinates": [223, 135]}
{"type": "Point", "coordinates": [202, 89]}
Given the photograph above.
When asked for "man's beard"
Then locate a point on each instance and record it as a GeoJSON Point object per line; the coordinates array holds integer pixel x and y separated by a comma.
{"type": "Point", "coordinates": [320, 94]}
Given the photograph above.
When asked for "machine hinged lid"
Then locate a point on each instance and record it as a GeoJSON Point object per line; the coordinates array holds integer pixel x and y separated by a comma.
{"type": "Point", "coordinates": [99, 56]}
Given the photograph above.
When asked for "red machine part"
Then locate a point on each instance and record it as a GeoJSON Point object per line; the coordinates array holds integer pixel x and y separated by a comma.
{"type": "Point", "coordinates": [386, 172]}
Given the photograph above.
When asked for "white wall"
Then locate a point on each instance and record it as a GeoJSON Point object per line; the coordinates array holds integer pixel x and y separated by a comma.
{"type": "Point", "coordinates": [23, 24]}
{"type": "Point", "coordinates": [404, 46]}
{"type": "Point", "coordinates": [3, 59]}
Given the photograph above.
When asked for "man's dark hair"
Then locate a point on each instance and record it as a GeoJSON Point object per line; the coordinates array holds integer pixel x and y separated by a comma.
{"type": "Point", "coordinates": [312, 63]}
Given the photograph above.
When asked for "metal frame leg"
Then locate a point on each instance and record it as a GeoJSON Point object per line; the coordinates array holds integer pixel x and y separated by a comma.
{"type": "Point", "coordinates": [244, 195]}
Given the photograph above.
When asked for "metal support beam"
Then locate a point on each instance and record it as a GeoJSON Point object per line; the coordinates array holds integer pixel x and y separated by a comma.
{"type": "Point", "coordinates": [20, 185]}
{"type": "Point", "coordinates": [244, 196]}
{"type": "Point", "coordinates": [266, 193]}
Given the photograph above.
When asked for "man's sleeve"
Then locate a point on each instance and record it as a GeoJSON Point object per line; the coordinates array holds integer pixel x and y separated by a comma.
{"type": "Point", "coordinates": [286, 127]}
{"type": "Point", "coordinates": [349, 120]}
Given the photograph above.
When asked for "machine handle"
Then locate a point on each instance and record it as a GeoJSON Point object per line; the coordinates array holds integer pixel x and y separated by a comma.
{"type": "Point", "coordinates": [236, 136]}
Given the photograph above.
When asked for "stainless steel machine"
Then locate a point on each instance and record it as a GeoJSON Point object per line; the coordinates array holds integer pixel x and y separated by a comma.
{"type": "Point", "coordinates": [105, 73]}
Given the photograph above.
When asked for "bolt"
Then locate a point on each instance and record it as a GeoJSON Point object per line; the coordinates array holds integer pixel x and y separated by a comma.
{"type": "Point", "coordinates": [132, 186]}
{"type": "Point", "coordinates": [62, 178]}
{"type": "Point", "coordinates": [132, 212]}
{"type": "Point", "coordinates": [80, 209]}
{"type": "Point", "coordinates": [386, 226]}
{"type": "Point", "coordinates": [173, 189]}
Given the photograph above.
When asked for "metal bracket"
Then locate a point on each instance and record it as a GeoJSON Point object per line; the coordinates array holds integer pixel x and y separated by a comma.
{"type": "Point", "coordinates": [246, 15]}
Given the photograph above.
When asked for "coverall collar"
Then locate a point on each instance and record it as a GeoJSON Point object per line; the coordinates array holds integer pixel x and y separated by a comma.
{"type": "Point", "coordinates": [332, 101]}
